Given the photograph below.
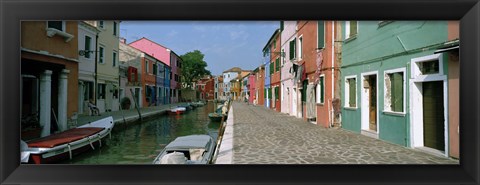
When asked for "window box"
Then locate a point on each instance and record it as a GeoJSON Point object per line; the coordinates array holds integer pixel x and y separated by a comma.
{"type": "Point", "coordinates": [52, 32]}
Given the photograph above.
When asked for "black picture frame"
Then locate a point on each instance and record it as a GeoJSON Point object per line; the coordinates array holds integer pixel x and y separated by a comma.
{"type": "Point", "coordinates": [12, 12]}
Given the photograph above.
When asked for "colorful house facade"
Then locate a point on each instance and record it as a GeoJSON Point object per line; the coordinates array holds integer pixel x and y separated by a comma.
{"type": "Point", "coordinates": [289, 91]}
{"type": "Point", "coordinates": [228, 76]}
{"type": "Point", "coordinates": [395, 82]}
{"type": "Point", "coordinates": [251, 86]}
{"type": "Point", "coordinates": [259, 86]}
{"type": "Point", "coordinates": [107, 65]}
{"type": "Point", "coordinates": [176, 85]}
{"type": "Point", "coordinates": [131, 63]}
{"type": "Point", "coordinates": [49, 86]}
{"type": "Point", "coordinates": [87, 39]}
{"type": "Point", "coordinates": [275, 65]}
{"type": "Point", "coordinates": [163, 54]}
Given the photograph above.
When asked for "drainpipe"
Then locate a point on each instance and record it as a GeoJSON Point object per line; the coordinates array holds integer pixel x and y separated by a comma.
{"type": "Point", "coordinates": [333, 74]}
{"type": "Point", "coordinates": [96, 74]}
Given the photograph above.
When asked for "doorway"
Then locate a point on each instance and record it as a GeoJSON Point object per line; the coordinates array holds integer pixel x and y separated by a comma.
{"type": "Point", "coordinates": [369, 106]}
{"type": "Point", "coordinates": [433, 115]}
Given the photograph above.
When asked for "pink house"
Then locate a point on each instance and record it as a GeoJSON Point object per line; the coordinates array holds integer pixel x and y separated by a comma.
{"type": "Point", "coordinates": [168, 57]}
{"type": "Point", "coordinates": [251, 87]}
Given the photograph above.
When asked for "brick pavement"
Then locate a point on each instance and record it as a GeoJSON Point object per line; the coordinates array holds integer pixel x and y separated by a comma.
{"type": "Point", "coordinates": [263, 136]}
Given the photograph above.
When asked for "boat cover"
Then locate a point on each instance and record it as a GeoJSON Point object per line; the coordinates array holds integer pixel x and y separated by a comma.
{"type": "Point", "coordinates": [64, 137]}
{"type": "Point", "coordinates": [174, 158]}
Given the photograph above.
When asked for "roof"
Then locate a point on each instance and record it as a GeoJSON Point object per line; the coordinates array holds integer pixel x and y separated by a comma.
{"type": "Point", "coordinates": [191, 141]}
{"type": "Point", "coordinates": [277, 31]}
{"type": "Point", "coordinates": [144, 38]}
{"type": "Point", "coordinates": [234, 69]}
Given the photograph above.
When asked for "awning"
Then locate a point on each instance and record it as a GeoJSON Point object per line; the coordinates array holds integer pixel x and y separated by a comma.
{"type": "Point", "coordinates": [447, 49]}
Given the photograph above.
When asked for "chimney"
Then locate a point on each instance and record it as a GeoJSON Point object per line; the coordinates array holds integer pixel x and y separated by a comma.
{"type": "Point", "coordinates": [123, 40]}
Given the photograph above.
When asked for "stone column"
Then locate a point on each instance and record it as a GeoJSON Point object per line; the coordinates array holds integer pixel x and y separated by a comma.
{"type": "Point", "coordinates": [62, 99]}
{"type": "Point", "coordinates": [45, 101]}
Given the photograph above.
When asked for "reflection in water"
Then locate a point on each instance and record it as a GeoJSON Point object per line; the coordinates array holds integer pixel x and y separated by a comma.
{"type": "Point", "coordinates": [140, 143]}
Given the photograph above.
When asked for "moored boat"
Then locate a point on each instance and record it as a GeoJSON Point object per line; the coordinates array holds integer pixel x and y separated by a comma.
{"type": "Point", "coordinates": [191, 149]}
{"type": "Point", "coordinates": [215, 116]}
{"type": "Point", "coordinates": [177, 110]}
{"type": "Point", "coordinates": [66, 144]}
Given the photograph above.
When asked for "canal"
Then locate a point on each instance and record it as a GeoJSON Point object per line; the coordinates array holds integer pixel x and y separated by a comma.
{"type": "Point", "coordinates": [141, 142]}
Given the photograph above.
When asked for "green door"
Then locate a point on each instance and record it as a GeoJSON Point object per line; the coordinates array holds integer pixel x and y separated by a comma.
{"type": "Point", "coordinates": [433, 115]}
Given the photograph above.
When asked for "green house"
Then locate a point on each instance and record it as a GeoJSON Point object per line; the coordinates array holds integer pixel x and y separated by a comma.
{"type": "Point", "coordinates": [395, 81]}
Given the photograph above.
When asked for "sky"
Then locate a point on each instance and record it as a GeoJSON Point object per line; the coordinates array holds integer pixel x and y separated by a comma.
{"type": "Point", "coordinates": [225, 44]}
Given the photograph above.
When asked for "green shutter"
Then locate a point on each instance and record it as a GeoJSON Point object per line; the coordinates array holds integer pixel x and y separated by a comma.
{"type": "Point", "coordinates": [87, 46]}
{"type": "Point", "coordinates": [295, 48]}
{"type": "Point", "coordinates": [304, 90]}
{"type": "Point", "coordinates": [277, 64]}
{"type": "Point", "coordinates": [353, 28]}
{"type": "Point", "coordinates": [271, 68]}
{"type": "Point", "coordinates": [321, 34]}
{"type": "Point", "coordinates": [397, 92]}
{"type": "Point", "coordinates": [277, 93]}
{"type": "Point", "coordinates": [292, 51]}
{"type": "Point", "coordinates": [281, 25]}
{"type": "Point", "coordinates": [352, 93]}
{"type": "Point", "coordinates": [322, 93]}
{"type": "Point", "coordinates": [265, 93]}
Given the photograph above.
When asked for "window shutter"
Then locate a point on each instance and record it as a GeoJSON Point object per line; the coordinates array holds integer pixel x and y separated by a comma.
{"type": "Point", "coordinates": [277, 64]}
{"type": "Point", "coordinates": [321, 34]}
{"type": "Point", "coordinates": [87, 46]}
{"type": "Point", "coordinates": [292, 51]}
{"type": "Point", "coordinates": [352, 92]}
{"type": "Point", "coordinates": [265, 93]}
{"type": "Point", "coordinates": [304, 90]}
{"type": "Point", "coordinates": [271, 68]}
{"type": "Point", "coordinates": [397, 90]}
{"type": "Point", "coordinates": [294, 48]}
{"type": "Point", "coordinates": [353, 28]}
{"type": "Point", "coordinates": [281, 25]}
{"type": "Point", "coordinates": [322, 95]}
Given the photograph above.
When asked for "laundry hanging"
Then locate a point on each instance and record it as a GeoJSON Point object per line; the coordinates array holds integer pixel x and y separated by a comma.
{"type": "Point", "coordinates": [310, 103]}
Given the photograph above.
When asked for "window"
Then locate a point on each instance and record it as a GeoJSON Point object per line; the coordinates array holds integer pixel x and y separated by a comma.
{"type": "Point", "coordinates": [292, 45]}
{"type": "Point", "coordinates": [321, 34]}
{"type": "Point", "coordinates": [155, 69]}
{"type": "Point", "coordinates": [102, 54]}
{"type": "Point", "coordinates": [114, 28]}
{"type": "Point", "coordinates": [101, 91]}
{"type": "Point", "coordinates": [351, 29]}
{"type": "Point", "coordinates": [429, 67]}
{"type": "Point", "coordinates": [274, 43]}
{"type": "Point", "coordinates": [281, 25]}
{"type": "Point", "coordinates": [100, 24]}
{"type": "Point", "coordinates": [394, 90]}
{"type": "Point", "coordinates": [277, 64]}
{"type": "Point", "coordinates": [146, 66]}
{"type": "Point", "coordinates": [114, 60]}
{"type": "Point", "coordinates": [282, 54]}
{"type": "Point", "coordinates": [269, 91]}
{"type": "Point", "coordinates": [304, 91]}
{"type": "Point", "coordinates": [277, 93]}
{"type": "Point", "coordinates": [351, 92]}
{"type": "Point", "coordinates": [59, 25]}
{"type": "Point", "coordinates": [272, 65]}
{"type": "Point", "coordinates": [88, 42]}
{"type": "Point", "coordinates": [300, 47]}
{"type": "Point", "coordinates": [320, 91]}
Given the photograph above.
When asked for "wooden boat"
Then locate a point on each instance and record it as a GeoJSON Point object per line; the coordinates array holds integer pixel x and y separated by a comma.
{"type": "Point", "coordinates": [177, 110]}
{"type": "Point", "coordinates": [192, 149]}
{"type": "Point", "coordinates": [66, 144]}
{"type": "Point", "coordinates": [215, 116]}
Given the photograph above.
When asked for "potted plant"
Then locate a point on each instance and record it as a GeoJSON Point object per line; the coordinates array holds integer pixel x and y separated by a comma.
{"type": "Point", "coordinates": [125, 103]}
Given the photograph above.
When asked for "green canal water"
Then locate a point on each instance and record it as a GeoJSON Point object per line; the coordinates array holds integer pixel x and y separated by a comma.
{"type": "Point", "coordinates": [140, 143]}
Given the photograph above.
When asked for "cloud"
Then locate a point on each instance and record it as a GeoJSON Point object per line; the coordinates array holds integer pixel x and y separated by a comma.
{"type": "Point", "coordinates": [172, 33]}
{"type": "Point", "coordinates": [241, 34]}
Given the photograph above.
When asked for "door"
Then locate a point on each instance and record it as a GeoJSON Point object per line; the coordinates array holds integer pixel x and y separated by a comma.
{"type": "Point", "coordinates": [433, 115]}
{"type": "Point", "coordinates": [372, 107]}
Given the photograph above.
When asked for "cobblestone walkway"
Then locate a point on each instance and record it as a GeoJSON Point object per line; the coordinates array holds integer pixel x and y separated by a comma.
{"type": "Point", "coordinates": [263, 136]}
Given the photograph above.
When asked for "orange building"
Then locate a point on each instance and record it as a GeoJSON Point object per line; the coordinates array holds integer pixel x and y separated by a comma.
{"type": "Point", "coordinates": [49, 60]}
{"type": "Point", "coordinates": [275, 66]}
{"type": "Point", "coordinates": [259, 85]}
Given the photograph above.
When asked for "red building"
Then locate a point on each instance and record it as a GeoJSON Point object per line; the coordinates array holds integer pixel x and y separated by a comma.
{"type": "Point", "coordinates": [251, 86]}
{"type": "Point", "coordinates": [275, 66]}
{"type": "Point", "coordinates": [206, 88]}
